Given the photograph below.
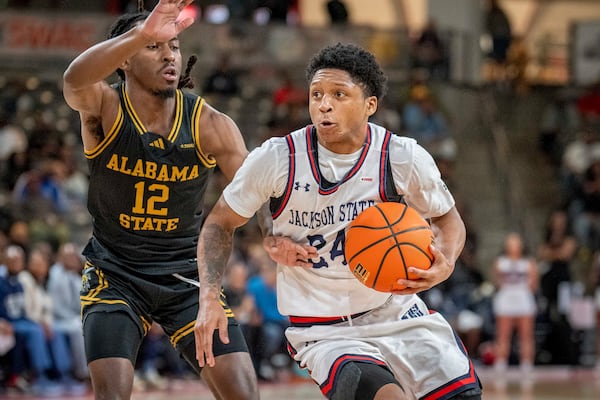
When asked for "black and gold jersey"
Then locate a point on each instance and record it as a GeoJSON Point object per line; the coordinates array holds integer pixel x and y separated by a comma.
{"type": "Point", "coordinates": [146, 191]}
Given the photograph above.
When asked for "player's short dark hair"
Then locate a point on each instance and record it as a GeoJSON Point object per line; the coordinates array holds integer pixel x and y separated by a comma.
{"type": "Point", "coordinates": [359, 63]}
{"type": "Point", "coordinates": [127, 21]}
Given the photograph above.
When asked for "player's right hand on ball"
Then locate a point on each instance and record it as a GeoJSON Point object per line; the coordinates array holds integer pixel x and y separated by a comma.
{"type": "Point", "coordinates": [211, 316]}
{"type": "Point", "coordinates": [285, 251]}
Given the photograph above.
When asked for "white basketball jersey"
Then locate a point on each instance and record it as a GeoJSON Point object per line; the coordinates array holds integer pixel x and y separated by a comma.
{"type": "Point", "coordinates": [317, 212]}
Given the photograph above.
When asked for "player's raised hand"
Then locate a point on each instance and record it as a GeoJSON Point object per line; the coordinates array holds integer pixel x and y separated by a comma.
{"type": "Point", "coordinates": [285, 251]}
{"type": "Point", "coordinates": [211, 316]}
{"type": "Point", "coordinates": [439, 271]}
{"type": "Point", "coordinates": [164, 22]}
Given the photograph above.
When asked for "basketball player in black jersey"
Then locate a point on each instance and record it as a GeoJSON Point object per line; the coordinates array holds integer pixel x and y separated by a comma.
{"type": "Point", "coordinates": [151, 148]}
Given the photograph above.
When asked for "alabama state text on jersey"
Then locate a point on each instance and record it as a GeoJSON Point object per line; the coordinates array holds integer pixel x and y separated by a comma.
{"type": "Point", "coordinates": [146, 189]}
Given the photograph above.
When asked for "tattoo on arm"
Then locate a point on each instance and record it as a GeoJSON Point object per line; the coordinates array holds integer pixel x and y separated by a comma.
{"type": "Point", "coordinates": [216, 244]}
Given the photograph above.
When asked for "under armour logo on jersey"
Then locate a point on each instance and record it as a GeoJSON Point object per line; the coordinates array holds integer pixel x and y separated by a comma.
{"type": "Point", "coordinates": [159, 143]}
{"type": "Point", "coordinates": [413, 312]}
{"type": "Point", "coordinates": [297, 186]}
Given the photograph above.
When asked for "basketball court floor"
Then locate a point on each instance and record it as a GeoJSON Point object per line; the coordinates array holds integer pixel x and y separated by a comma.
{"type": "Point", "coordinates": [547, 383]}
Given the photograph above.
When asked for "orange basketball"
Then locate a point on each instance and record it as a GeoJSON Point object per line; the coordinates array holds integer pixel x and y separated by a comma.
{"type": "Point", "coordinates": [384, 241]}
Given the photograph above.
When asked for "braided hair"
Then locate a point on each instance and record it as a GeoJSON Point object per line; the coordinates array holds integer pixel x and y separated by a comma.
{"type": "Point", "coordinates": [127, 21]}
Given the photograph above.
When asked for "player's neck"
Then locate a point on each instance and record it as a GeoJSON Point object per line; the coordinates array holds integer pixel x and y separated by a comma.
{"type": "Point", "coordinates": [154, 111]}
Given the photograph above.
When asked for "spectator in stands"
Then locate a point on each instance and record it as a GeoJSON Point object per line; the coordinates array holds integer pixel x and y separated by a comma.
{"type": "Point", "coordinates": [289, 105]}
{"type": "Point", "coordinates": [39, 309]}
{"type": "Point", "coordinates": [424, 122]}
{"type": "Point", "coordinates": [223, 80]}
{"type": "Point", "coordinates": [338, 12]}
{"type": "Point", "coordinates": [577, 158]}
{"type": "Point", "coordinates": [64, 285]}
{"type": "Point", "coordinates": [30, 337]}
{"type": "Point", "coordinates": [557, 252]}
{"type": "Point", "coordinates": [595, 279]}
{"type": "Point", "coordinates": [18, 233]}
{"type": "Point", "coordinates": [158, 362]}
{"type": "Point", "coordinates": [516, 278]}
{"type": "Point", "coordinates": [498, 27]}
{"type": "Point", "coordinates": [38, 191]}
{"type": "Point", "coordinates": [278, 9]}
{"type": "Point", "coordinates": [587, 222]}
{"type": "Point", "coordinates": [241, 10]}
{"type": "Point", "coordinates": [559, 119]}
{"type": "Point", "coordinates": [147, 363]}
{"type": "Point", "coordinates": [588, 104]}
{"type": "Point", "coordinates": [74, 184]}
{"type": "Point", "coordinates": [7, 343]}
{"type": "Point", "coordinates": [17, 163]}
{"type": "Point", "coordinates": [12, 139]}
{"type": "Point", "coordinates": [429, 52]}
{"type": "Point", "coordinates": [242, 305]}
{"type": "Point", "coordinates": [262, 289]}
{"type": "Point", "coordinates": [7, 336]}
{"type": "Point", "coordinates": [235, 289]}
{"type": "Point", "coordinates": [517, 59]}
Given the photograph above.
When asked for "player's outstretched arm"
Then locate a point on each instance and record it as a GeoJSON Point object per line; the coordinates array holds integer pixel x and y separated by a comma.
{"type": "Point", "coordinates": [449, 240]}
{"type": "Point", "coordinates": [214, 249]}
{"type": "Point", "coordinates": [84, 78]}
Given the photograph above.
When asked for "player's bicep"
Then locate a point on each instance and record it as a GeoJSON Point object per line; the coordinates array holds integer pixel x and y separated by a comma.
{"type": "Point", "coordinates": [222, 141]}
{"type": "Point", "coordinates": [88, 99]}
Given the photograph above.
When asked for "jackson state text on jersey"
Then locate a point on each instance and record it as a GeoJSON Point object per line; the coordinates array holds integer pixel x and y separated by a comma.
{"type": "Point", "coordinates": [317, 212]}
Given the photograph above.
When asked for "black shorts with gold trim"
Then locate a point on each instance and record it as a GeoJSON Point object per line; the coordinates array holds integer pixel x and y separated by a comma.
{"type": "Point", "coordinates": [165, 299]}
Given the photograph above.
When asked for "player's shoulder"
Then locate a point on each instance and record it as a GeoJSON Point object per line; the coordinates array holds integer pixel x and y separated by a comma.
{"type": "Point", "coordinates": [212, 120]}
{"type": "Point", "coordinates": [403, 146]}
{"type": "Point", "coordinates": [283, 142]}
{"type": "Point", "coordinates": [274, 145]}
{"type": "Point", "coordinates": [396, 139]}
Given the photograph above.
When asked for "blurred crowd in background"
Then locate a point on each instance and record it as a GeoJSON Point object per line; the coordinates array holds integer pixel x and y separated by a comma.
{"type": "Point", "coordinates": [44, 221]}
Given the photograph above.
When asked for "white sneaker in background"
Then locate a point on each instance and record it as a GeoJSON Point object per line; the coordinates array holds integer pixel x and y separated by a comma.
{"type": "Point", "coordinates": [500, 366]}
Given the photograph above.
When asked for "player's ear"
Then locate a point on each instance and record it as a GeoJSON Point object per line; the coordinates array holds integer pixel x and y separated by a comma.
{"type": "Point", "coordinates": [125, 65]}
{"type": "Point", "coordinates": [371, 105]}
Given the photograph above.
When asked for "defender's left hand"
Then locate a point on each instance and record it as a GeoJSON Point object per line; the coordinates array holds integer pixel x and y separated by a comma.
{"type": "Point", "coordinates": [439, 271]}
{"type": "Point", "coordinates": [285, 251]}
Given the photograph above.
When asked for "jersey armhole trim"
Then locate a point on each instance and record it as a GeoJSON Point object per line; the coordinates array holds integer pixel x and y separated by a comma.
{"type": "Point", "coordinates": [280, 202]}
{"type": "Point", "coordinates": [110, 136]}
{"type": "Point", "coordinates": [131, 111]}
{"type": "Point", "coordinates": [387, 186]}
{"type": "Point", "coordinates": [383, 162]}
{"type": "Point", "coordinates": [208, 162]}
{"type": "Point", "coordinates": [178, 117]}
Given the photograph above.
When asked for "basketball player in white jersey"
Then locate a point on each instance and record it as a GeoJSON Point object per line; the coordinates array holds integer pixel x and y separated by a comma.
{"type": "Point", "coordinates": [357, 343]}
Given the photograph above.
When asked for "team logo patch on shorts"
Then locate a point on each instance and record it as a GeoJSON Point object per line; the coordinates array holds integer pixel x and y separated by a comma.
{"type": "Point", "coordinates": [413, 312]}
{"type": "Point", "coordinates": [85, 283]}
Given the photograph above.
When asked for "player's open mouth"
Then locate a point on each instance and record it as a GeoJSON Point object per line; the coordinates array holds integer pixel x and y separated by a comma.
{"type": "Point", "coordinates": [170, 74]}
{"type": "Point", "coordinates": [326, 124]}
